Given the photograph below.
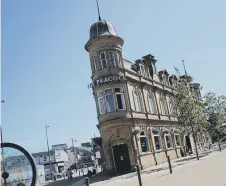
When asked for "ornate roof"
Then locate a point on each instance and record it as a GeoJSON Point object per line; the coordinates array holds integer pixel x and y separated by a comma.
{"type": "Point", "coordinates": [100, 28]}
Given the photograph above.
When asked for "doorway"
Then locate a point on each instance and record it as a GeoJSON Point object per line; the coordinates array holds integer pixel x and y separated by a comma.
{"type": "Point", "coordinates": [188, 144]}
{"type": "Point", "coordinates": [121, 158]}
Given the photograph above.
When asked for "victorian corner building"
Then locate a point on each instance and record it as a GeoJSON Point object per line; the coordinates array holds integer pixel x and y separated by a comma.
{"type": "Point", "coordinates": [134, 105]}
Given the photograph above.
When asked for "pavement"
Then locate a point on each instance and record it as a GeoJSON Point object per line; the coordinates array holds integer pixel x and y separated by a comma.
{"type": "Point", "coordinates": [159, 175]}
{"type": "Point", "coordinates": [208, 171]}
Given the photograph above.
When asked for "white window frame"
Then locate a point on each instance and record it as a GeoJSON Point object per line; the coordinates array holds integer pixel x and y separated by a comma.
{"type": "Point", "coordinates": [103, 96]}
{"type": "Point", "coordinates": [160, 142]}
{"type": "Point", "coordinates": [95, 62]}
{"type": "Point", "coordinates": [142, 70]}
{"type": "Point", "coordinates": [137, 94]}
{"type": "Point", "coordinates": [176, 134]}
{"type": "Point", "coordinates": [171, 140]}
{"type": "Point", "coordinates": [101, 60]}
{"type": "Point", "coordinates": [163, 106]}
{"type": "Point", "coordinates": [147, 141]}
{"type": "Point", "coordinates": [122, 96]}
{"type": "Point", "coordinates": [203, 138]}
{"type": "Point", "coordinates": [199, 138]}
{"type": "Point", "coordinates": [152, 104]}
{"type": "Point", "coordinates": [110, 58]}
{"type": "Point", "coordinates": [99, 106]}
{"type": "Point", "coordinates": [171, 106]}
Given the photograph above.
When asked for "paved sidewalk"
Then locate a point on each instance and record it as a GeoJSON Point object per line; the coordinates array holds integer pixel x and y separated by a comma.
{"type": "Point", "coordinates": [150, 170]}
{"type": "Point", "coordinates": [209, 171]}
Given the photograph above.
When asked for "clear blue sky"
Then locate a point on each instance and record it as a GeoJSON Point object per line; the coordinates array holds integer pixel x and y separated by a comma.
{"type": "Point", "coordinates": [45, 68]}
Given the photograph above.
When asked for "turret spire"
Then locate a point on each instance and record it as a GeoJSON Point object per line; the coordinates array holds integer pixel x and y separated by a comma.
{"type": "Point", "coordinates": [98, 10]}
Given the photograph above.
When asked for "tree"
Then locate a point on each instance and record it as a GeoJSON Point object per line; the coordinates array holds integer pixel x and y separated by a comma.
{"type": "Point", "coordinates": [189, 109]}
{"type": "Point", "coordinates": [215, 110]}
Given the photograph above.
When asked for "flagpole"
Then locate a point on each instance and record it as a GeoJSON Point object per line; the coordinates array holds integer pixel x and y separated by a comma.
{"type": "Point", "coordinates": [98, 10]}
{"type": "Point", "coordinates": [185, 72]}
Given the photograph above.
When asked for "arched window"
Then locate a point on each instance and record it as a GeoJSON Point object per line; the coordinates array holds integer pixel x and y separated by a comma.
{"type": "Point", "coordinates": [199, 140]}
{"type": "Point", "coordinates": [203, 138]}
{"type": "Point", "coordinates": [177, 139]}
{"type": "Point", "coordinates": [171, 106]}
{"type": "Point", "coordinates": [144, 142]}
{"type": "Point", "coordinates": [157, 140]}
{"type": "Point", "coordinates": [152, 104]}
{"type": "Point", "coordinates": [137, 100]}
{"type": "Point", "coordinates": [168, 140]}
{"type": "Point", "coordinates": [163, 106]}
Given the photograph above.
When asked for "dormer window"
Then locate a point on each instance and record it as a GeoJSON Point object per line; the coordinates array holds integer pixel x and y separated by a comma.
{"type": "Point", "coordinates": [111, 56]}
{"type": "Point", "coordinates": [103, 60]}
{"type": "Point", "coordinates": [165, 80]}
{"type": "Point", "coordinates": [142, 70]}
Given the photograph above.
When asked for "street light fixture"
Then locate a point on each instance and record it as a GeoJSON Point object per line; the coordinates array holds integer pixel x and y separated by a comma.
{"type": "Point", "coordinates": [51, 172]}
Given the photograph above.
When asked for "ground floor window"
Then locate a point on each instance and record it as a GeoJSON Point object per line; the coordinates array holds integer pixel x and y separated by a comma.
{"type": "Point", "coordinates": [158, 143]}
{"type": "Point", "coordinates": [203, 138]}
{"type": "Point", "coordinates": [177, 140]}
{"type": "Point", "coordinates": [199, 140]}
{"type": "Point", "coordinates": [168, 140]}
{"type": "Point", "coordinates": [144, 142]}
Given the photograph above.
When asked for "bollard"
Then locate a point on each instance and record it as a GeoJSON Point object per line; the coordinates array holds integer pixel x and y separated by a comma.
{"type": "Point", "coordinates": [169, 162]}
{"type": "Point", "coordinates": [138, 174]}
{"type": "Point", "coordinates": [87, 181]}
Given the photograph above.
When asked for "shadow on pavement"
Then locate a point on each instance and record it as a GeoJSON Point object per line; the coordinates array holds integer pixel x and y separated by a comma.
{"type": "Point", "coordinates": [102, 176]}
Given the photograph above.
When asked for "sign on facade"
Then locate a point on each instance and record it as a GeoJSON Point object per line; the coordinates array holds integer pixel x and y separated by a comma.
{"type": "Point", "coordinates": [107, 79]}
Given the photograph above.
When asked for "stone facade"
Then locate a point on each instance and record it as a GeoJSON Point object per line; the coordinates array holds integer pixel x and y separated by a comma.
{"type": "Point", "coordinates": [128, 95]}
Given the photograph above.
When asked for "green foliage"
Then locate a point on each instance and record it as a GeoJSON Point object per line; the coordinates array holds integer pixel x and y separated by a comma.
{"type": "Point", "coordinates": [215, 110]}
{"type": "Point", "coordinates": [189, 109]}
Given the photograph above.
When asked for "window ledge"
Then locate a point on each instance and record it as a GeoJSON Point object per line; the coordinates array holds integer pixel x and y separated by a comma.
{"type": "Point", "coordinates": [146, 153]}
{"type": "Point", "coordinates": [156, 114]}
{"type": "Point", "coordinates": [139, 112]}
{"type": "Point", "coordinates": [169, 149]}
{"type": "Point", "coordinates": [158, 151]}
{"type": "Point", "coordinates": [122, 110]}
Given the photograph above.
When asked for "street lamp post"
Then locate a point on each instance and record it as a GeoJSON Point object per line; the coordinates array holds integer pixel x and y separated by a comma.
{"type": "Point", "coordinates": [2, 101]}
{"type": "Point", "coordinates": [51, 172]}
{"type": "Point", "coordinates": [2, 153]}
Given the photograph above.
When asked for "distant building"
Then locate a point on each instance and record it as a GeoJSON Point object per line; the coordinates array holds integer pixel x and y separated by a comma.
{"type": "Point", "coordinates": [83, 157]}
{"type": "Point", "coordinates": [58, 158]}
{"type": "Point", "coordinates": [98, 150]}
